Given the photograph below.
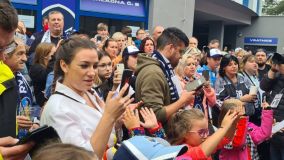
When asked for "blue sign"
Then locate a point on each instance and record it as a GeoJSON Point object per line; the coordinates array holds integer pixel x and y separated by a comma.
{"type": "Point", "coordinates": [66, 7]}
{"type": "Point", "coordinates": [34, 2]}
{"type": "Point", "coordinates": [120, 7]}
{"type": "Point", "coordinates": [260, 40]}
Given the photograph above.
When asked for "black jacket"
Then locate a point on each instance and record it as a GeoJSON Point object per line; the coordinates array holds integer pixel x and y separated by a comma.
{"type": "Point", "coordinates": [38, 75]}
{"type": "Point", "coordinates": [273, 87]}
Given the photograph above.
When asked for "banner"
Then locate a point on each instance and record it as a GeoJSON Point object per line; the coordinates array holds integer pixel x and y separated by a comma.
{"type": "Point", "coordinates": [120, 7]}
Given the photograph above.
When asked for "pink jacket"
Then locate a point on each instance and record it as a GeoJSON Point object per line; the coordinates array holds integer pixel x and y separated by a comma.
{"type": "Point", "coordinates": [258, 135]}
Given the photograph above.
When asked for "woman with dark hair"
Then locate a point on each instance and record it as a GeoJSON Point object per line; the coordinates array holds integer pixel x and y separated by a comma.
{"type": "Point", "coordinates": [147, 46]}
{"type": "Point", "coordinates": [231, 84]}
{"type": "Point", "coordinates": [75, 110]}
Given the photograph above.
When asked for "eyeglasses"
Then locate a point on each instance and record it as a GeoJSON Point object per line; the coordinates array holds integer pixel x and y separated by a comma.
{"type": "Point", "coordinates": [9, 48]}
{"type": "Point", "coordinates": [104, 66]}
{"type": "Point", "coordinates": [203, 133]}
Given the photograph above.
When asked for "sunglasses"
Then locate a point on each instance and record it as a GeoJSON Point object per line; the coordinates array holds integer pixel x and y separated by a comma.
{"type": "Point", "coordinates": [9, 48]}
{"type": "Point", "coordinates": [203, 133]}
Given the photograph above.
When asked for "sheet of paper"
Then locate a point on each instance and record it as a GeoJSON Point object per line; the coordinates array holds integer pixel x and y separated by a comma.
{"type": "Point", "coordinates": [278, 127]}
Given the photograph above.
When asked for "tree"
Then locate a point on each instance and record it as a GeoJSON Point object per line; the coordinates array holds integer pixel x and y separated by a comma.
{"type": "Point", "coordinates": [273, 8]}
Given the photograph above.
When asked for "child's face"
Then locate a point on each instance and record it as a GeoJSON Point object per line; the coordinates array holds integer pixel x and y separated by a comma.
{"type": "Point", "coordinates": [198, 133]}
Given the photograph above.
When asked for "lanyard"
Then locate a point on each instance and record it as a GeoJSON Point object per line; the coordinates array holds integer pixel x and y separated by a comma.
{"type": "Point", "coordinates": [249, 78]}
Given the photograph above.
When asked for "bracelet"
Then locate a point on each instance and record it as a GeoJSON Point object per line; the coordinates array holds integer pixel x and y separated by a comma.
{"type": "Point", "coordinates": [153, 130]}
{"type": "Point", "coordinates": [136, 131]}
{"type": "Point", "coordinates": [268, 108]}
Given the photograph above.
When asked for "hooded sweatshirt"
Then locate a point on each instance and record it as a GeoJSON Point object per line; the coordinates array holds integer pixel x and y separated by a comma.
{"type": "Point", "coordinates": [152, 87]}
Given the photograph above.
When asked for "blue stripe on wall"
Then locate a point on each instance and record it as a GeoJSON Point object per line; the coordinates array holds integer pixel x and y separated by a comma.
{"type": "Point", "coordinates": [257, 7]}
{"type": "Point", "coordinates": [246, 3]}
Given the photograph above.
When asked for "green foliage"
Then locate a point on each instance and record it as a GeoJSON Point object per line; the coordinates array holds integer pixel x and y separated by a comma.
{"type": "Point", "coordinates": [273, 8]}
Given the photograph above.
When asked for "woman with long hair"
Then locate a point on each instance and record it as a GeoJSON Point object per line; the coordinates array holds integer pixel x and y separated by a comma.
{"type": "Point", "coordinates": [38, 71]}
{"type": "Point", "coordinates": [75, 110]}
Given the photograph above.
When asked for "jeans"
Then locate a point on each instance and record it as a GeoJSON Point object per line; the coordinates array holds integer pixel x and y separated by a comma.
{"type": "Point", "coordinates": [276, 153]}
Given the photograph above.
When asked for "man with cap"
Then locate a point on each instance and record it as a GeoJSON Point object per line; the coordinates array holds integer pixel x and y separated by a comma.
{"type": "Point", "coordinates": [156, 83]}
{"type": "Point", "coordinates": [213, 61]}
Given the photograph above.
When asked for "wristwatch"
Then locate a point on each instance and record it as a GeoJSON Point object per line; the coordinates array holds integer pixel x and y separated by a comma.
{"type": "Point", "coordinates": [268, 108]}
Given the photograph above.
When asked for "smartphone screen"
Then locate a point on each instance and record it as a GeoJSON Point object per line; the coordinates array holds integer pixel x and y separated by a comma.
{"type": "Point", "coordinates": [99, 38]}
{"type": "Point", "coordinates": [120, 68]}
{"type": "Point", "coordinates": [127, 74]}
{"type": "Point", "coordinates": [129, 39]}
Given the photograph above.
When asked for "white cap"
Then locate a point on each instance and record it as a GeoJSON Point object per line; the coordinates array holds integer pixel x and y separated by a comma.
{"type": "Point", "coordinates": [215, 53]}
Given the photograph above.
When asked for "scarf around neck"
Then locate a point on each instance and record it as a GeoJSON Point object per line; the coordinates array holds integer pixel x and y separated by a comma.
{"type": "Point", "coordinates": [169, 73]}
{"type": "Point", "coordinates": [25, 99]}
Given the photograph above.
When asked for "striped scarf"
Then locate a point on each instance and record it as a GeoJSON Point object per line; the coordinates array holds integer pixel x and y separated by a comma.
{"type": "Point", "coordinates": [169, 73]}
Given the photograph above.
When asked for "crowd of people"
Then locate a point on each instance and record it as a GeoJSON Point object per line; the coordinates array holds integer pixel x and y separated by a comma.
{"type": "Point", "coordinates": [179, 102]}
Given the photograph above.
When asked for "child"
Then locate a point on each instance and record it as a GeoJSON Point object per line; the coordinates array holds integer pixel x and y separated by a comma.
{"type": "Point", "coordinates": [132, 122]}
{"type": "Point", "coordinates": [247, 135]}
{"type": "Point", "coordinates": [190, 127]}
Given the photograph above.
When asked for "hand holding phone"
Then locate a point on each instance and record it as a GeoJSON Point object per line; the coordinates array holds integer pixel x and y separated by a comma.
{"type": "Point", "coordinates": [195, 85]}
{"type": "Point", "coordinates": [40, 135]}
{"type": "Point", "coordinates": [120, 68]}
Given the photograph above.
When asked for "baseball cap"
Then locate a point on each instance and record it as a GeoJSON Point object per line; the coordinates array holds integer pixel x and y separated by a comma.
{"type": "Point", "coordinates": [214, 53]}
{"type": "Point", "coordinates": [146, 148]}
{"type": "Point", "coordinates": [130, 50]}
{"type": "Point", "coordinates": [278, 58]}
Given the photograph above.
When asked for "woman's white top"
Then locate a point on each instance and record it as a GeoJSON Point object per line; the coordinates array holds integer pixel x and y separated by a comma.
{"type": "Point", "coordinates": [72, 118]}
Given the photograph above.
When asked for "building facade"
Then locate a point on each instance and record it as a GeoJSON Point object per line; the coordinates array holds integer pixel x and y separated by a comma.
{"type": "Point", "coordinates": [235, 23]}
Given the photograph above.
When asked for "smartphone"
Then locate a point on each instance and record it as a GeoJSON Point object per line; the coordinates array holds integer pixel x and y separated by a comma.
{"type": "Point", "coordinates": [205, 74]}
{"type": "Point", "coordinates": [129, 39]}
{"type": "Point", "coordinates": [120, 68]}
{"type": "Point", "coordinates": [40, 136]}
{"type": "Point", "coordinates": [127, 74]}
{"type": "Point", "coordinates": [195, 85]}
{"type": "Point", "coordinates": [99, 38]}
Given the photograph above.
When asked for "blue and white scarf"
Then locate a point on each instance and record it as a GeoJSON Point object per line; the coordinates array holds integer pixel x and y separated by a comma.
{"type": "Point", "coordinates": [25, 93]}
{"type": "Point", "coordinates": [169, 73]}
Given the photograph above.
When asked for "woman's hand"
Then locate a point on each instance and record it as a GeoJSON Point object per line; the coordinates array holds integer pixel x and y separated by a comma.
{"type": "Point", "coordinates": [24, 122]}
{"type": "Point", "coordinates": [131, 118]}
{"type": "Point", "coordinates": [116, 79]}
{"type": "Point", "coordinates": [248, 98]}
{"type": "Point", "coordinates": [150, 119]}
{"type": "Point", "coordinates": [264, 105]}
{"type": "Point", "coordinates": [115, 107]}
{"type": "Point", "coordinates": [134, 106]}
